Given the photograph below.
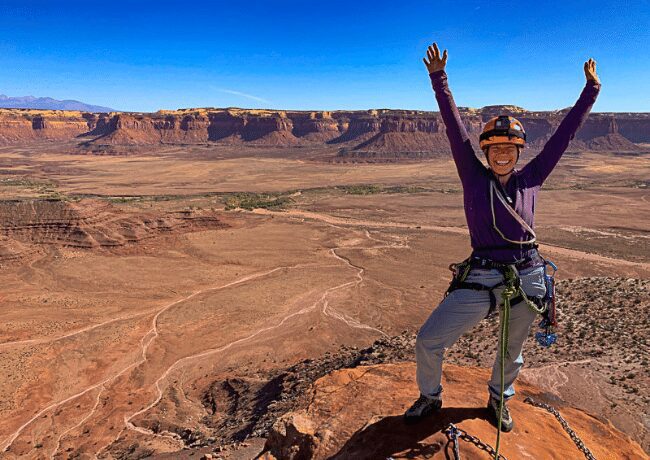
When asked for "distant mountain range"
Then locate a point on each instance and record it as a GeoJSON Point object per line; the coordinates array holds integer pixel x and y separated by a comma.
{"type": "Point", "coordinates": [47, 103]}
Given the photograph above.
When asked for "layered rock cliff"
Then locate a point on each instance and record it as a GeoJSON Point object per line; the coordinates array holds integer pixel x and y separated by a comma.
{"type": "Point", "coordinates": [357, 133]}
{"type": "Point", "coordinates": [27, 224]}
{"type": "Point", "coordinates": [25, 125]}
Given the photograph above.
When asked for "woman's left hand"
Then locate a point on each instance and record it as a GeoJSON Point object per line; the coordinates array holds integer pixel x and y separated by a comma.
{"type": "Point", "coordinates": [590, 70]}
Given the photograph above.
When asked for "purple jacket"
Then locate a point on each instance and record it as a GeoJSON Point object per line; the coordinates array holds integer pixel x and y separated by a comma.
{"type": "Point", "coordinates": [523, 185]}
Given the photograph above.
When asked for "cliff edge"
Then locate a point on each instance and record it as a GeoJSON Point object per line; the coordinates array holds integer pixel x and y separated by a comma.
{"type": "Point", "coordinates": [357, 413]}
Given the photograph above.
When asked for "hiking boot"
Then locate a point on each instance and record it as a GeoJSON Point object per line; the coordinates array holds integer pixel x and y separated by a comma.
{"type": "Point", "coordinates": [506, 419]}
{"type": "Point", "coordinates": [421, 408]}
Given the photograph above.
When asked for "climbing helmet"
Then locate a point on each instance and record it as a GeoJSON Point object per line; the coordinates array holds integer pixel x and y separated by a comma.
{"type": "Point", "coordinates": [500, 130]}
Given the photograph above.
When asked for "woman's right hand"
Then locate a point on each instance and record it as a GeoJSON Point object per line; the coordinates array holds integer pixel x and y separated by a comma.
{"type": "Point", "coordinates": [435, 62]}
{"type": "Point", "coordinates": [590, 70]}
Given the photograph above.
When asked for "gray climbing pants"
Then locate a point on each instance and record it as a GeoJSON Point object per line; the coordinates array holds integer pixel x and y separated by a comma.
{"type": "Point", "coordinates": [461, 310]}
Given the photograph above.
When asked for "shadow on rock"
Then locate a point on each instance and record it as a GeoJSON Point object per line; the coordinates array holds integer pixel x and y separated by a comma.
{"type": "Point", "coordinates": [391, 435]}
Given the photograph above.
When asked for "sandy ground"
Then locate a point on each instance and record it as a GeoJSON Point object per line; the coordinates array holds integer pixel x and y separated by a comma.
{"type": "Point", "coordinates": [100, 349]}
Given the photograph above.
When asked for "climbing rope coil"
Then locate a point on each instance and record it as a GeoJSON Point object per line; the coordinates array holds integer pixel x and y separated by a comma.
{"type": "Point", "coordinates": [454, 434]}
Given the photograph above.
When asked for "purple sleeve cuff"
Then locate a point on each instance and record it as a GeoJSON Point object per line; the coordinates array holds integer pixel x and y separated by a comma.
{"type": "Point", "coordinates": [438, 79]}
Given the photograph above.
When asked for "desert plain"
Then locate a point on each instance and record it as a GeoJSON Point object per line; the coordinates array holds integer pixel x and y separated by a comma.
{"type": "Point", "coordinates": [145, 295]}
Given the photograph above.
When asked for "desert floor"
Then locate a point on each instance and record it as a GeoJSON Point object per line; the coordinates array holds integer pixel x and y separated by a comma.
{"type": "Point", "coordinates": [102, 347]}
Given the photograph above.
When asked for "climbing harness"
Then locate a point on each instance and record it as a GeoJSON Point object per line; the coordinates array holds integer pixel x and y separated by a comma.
{"type": "Point", "coordinates": [572, 434]}
{"type": "Point", "coordinates": [511, 294]}
{"type": "Point", "coordinates": [461, 270]}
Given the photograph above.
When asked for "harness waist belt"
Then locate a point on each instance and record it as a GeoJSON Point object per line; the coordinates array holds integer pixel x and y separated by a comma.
{"type": "Point", "coordinates": [480, 262]}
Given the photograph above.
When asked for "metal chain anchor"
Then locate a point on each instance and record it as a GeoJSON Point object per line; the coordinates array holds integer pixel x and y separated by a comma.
{"type": "Point", "coordinates": [454, 433]}
{"type": "Point", "coordinates": [572, 434]}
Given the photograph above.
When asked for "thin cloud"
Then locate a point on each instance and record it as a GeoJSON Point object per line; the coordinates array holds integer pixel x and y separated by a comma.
{"type": "Point", "coordinates": [239, 93]}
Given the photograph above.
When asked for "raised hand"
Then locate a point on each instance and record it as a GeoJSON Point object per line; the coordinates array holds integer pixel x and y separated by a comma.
{"type": "Point", "coordinates": [435, 61]}
{"type": "Point", "coordinates": [590, 70]}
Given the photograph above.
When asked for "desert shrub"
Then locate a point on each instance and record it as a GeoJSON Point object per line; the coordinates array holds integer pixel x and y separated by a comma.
{"type": "Point", "coordinates": [362, 189]}
{"type": "Point", "coordinates": [251, 201]}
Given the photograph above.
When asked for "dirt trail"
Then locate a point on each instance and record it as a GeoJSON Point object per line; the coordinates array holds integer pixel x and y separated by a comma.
{"type": "Point", "coordinates": [80, 423]}
{"type": "Point", "coordinates": [325, 310]}
{"type": "Point", "coordinates": [144, 344]}
{"type": "Point", "coordinates": [574, 253]}
{"type": "Point", "coordinates": [75, 332]}
{"type": "Point", "coordinates": [148, 338]}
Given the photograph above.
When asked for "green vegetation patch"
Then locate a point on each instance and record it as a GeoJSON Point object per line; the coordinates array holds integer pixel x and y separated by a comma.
{"type": "Point", "coordinates": [370, 189]}
{"type": "Point", "coordinates": [250, 201]}
{"type": "Point", "coordinates": [361, 189]}
{"type": "Point", "coordinates": [406, 189]}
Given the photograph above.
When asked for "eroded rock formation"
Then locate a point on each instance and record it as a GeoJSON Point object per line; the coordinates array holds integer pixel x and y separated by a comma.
{"type": "Point", "coordinates": [357, 133]}
{"type": "Point", "coordinates": [27, 224]}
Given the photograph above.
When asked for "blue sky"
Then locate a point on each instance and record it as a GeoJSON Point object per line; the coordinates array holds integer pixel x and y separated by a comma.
{"type": "Point", "coordinates": [333, 55]}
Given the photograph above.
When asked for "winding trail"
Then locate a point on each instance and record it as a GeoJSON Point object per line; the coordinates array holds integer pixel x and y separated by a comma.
{"type": "Point", "coordinates": [150, 336]}
{"type": "Point", "coordinates": [81, 422]}
{"type": "Point", "coordinates": [144, 345]}
{"type": "Point", "coordinates": [326, 310]}
{"type": "Point", "coordinates": [574, 253]}
{"type": "Point", "coordinates": [74, 333]}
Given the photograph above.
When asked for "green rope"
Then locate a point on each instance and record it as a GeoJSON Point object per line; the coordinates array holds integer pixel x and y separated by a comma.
{"type": "Point", "coordinates": [510, 291]}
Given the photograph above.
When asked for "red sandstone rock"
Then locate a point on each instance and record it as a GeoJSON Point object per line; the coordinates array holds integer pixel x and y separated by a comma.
{"type": "Point", "coordinates": [364, 133]}
{"type": "Point", "coordinates": [357, 414]}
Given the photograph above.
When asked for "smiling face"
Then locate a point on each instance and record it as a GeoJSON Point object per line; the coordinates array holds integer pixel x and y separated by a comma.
{"type": "Point", "coordinates": [502, 158]}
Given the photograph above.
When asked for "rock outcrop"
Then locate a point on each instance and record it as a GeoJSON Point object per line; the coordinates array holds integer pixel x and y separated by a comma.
{"type": "Point", "coordinates": [27, 224]}
{"type": "Point", "coordinates": [27, 125]}
{"type": "Point", "coordinates": [357, 413]}
{"type": "Point", "coordinates": [379, 133]}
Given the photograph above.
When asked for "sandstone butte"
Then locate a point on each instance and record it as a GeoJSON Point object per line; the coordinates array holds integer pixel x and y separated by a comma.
{"type": "Point", "coordinates": [374, 130]}
{"type": "Point", "coordinates": [357, 414]}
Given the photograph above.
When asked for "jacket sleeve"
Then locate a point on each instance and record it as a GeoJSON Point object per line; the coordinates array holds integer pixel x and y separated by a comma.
{"type": "Point", "coordinates": [540, 167]}
{"type": "Point", "coordinates": [467, 164]}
